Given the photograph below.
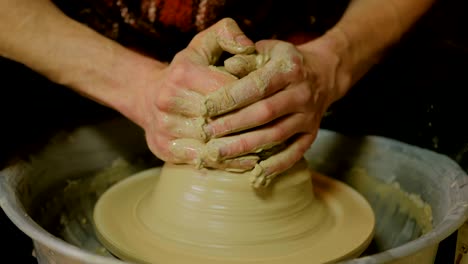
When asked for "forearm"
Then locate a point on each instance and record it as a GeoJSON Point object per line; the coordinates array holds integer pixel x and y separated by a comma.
{"type": "Point", "coordinates": [38, 35]}
{"type": "Point", "coordinates": [366, 30]}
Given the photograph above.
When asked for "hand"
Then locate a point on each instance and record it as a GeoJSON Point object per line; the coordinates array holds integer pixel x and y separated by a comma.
{"type": "Point", "coordinates": [172, 104]}
{"type": "Point", "coordinates": [279, 105]}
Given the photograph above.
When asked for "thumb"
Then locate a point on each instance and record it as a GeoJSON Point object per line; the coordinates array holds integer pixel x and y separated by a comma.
{"type": "Point", "coordinates": [266, 47]}
{"type": "Point", "coordinates": [225, 35]}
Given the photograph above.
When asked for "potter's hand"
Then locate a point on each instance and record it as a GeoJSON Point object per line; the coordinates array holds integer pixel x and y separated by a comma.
{"type": "Point", "coordinates": [281, 102]}
{"type": "Point", "coordinates": [174, 106]}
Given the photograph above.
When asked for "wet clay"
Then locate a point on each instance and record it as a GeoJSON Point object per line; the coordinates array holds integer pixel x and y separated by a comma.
{"type": "Point", "coordinates": [180, 214]}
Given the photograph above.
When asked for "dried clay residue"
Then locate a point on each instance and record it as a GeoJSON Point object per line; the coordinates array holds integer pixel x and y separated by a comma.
{"type": "Point", "coordinates": [395, 198]}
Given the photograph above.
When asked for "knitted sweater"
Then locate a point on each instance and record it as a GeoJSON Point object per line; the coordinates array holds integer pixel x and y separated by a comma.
{"type": "Point", "coordinates": [163, 27]}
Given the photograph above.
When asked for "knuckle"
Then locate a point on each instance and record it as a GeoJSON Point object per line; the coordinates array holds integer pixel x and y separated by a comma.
{"type": "Point", "coordinates": [297, 71]}
{"type": "Point", "coordinates": [267, 111]}
{"type": "Point", "coordinates": [227, 126]}
{"type": "Point", "coordinates": [180, 56]}
{"type": "Point", "coordinates": [304, 95]}
{"type": "Point", "coordinates": [223, 127]}
{"type": "Point", "coordinates": [288, 45]}
{"type": "Point", "coordinates": [163, 123]}
{"type": "Point", "coordinates": [163, 102]}
{"type": "Point", "coordinates": [291, 68]}
{"type": "Point", "coordinates": [178, 73]}
{"type": "Point", "coordinates": [195, 40]}
{"type": "Point", "coordinates": [226, 22]}
{"type": "Point", "coordinates": [283, 46]}
{"type": "Point", "coordinates": [243, 145]}
{"type": "Point", "coordinates": [280, 133]}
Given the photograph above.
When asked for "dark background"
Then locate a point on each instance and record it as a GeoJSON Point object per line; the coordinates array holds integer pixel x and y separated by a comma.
{"type": "Point", "coordinates": [417, 94]}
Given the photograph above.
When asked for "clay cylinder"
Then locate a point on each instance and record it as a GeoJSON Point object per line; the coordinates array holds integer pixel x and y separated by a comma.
{"type": "Point", "coordinates": [218, 209]}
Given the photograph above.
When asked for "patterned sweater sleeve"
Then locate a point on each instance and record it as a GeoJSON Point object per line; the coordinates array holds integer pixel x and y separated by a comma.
{"type": "Point", "coordinates": [161, 28]}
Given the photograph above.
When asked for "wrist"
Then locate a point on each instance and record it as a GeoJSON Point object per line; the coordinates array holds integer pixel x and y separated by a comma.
{"type": "Point", "coordinates": [334, 49]}
{"type": "Point", "coordinates": [137, 73]}
{"type": "Point", "coordinates": [111, 75]}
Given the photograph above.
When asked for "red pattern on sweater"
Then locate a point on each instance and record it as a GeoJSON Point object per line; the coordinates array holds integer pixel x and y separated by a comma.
{"type": "Point", "coordinates": [178, 13]}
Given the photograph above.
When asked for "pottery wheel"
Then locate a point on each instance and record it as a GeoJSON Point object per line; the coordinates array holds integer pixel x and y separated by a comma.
{"type": "Point", "coordinates": [179, 214]}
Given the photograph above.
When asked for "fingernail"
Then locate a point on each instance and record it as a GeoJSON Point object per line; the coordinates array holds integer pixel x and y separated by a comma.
{"type": "Point", "coordinates": [246, 45]}
{"type": "Point", "coordinates": [243, 40]}
{"type": "Point", "coordinates": [261, 177]}
{"type": "Point", "coordinates": [259, 182]}
{"type": "Point", "coordinates": [256, 173]}
{"type": "Point", "coordinates": [210, 108]}
{"type": "Point", "coordinates": [242, 164]}
{"type": "Point", "coordinates": [248, 163]}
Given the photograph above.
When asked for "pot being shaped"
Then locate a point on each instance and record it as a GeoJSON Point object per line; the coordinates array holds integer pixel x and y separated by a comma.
{"type": "Point", "coordinates": [419, 197]}
{"type": "Point", "coordinates": [180, 214]}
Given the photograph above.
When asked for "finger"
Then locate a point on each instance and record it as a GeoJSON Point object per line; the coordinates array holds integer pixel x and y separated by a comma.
{"type": "Point", "coordinates": [186, 102]}
{"type": "Point", "coordinates": [178, 126]}
{"type": "Point", "coordinates": [239, 164]}
{"type": "Point", "coordinates": [261, 139]}
{"type": "Point", "coordinates": [275, 75]}
{"type": "Point", "coordinates": [174, 151]}
{"type": "Point", "coordinates": [225, 35]}
{"type": "Point", "coordinates": [195, 152]}
{"type": "Point", "coordinates": [185, 150]}
{"type": "Point", "coordinates": [242, 64]}
{"type": "Point", "coordinates": [264, 111]}
{"type": "Point", "coordinates": [182, 150]}
{"type": "Point", "coordinates": [187, 83]}
{"type": "Point", "coordinates": [185, 90]}
{"type": "Point", "coordinates": [267, 170]}
{"type": "Point", "coordinates": [280, 51]}
{"type": "Point", "coordinates": [202, 79]}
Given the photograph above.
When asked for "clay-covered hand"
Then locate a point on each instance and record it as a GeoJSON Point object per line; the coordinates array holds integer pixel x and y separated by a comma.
{"type": "Point", "coordinates": [277, 107]}
{"type": "Point", "coordinates": [174, 107]}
